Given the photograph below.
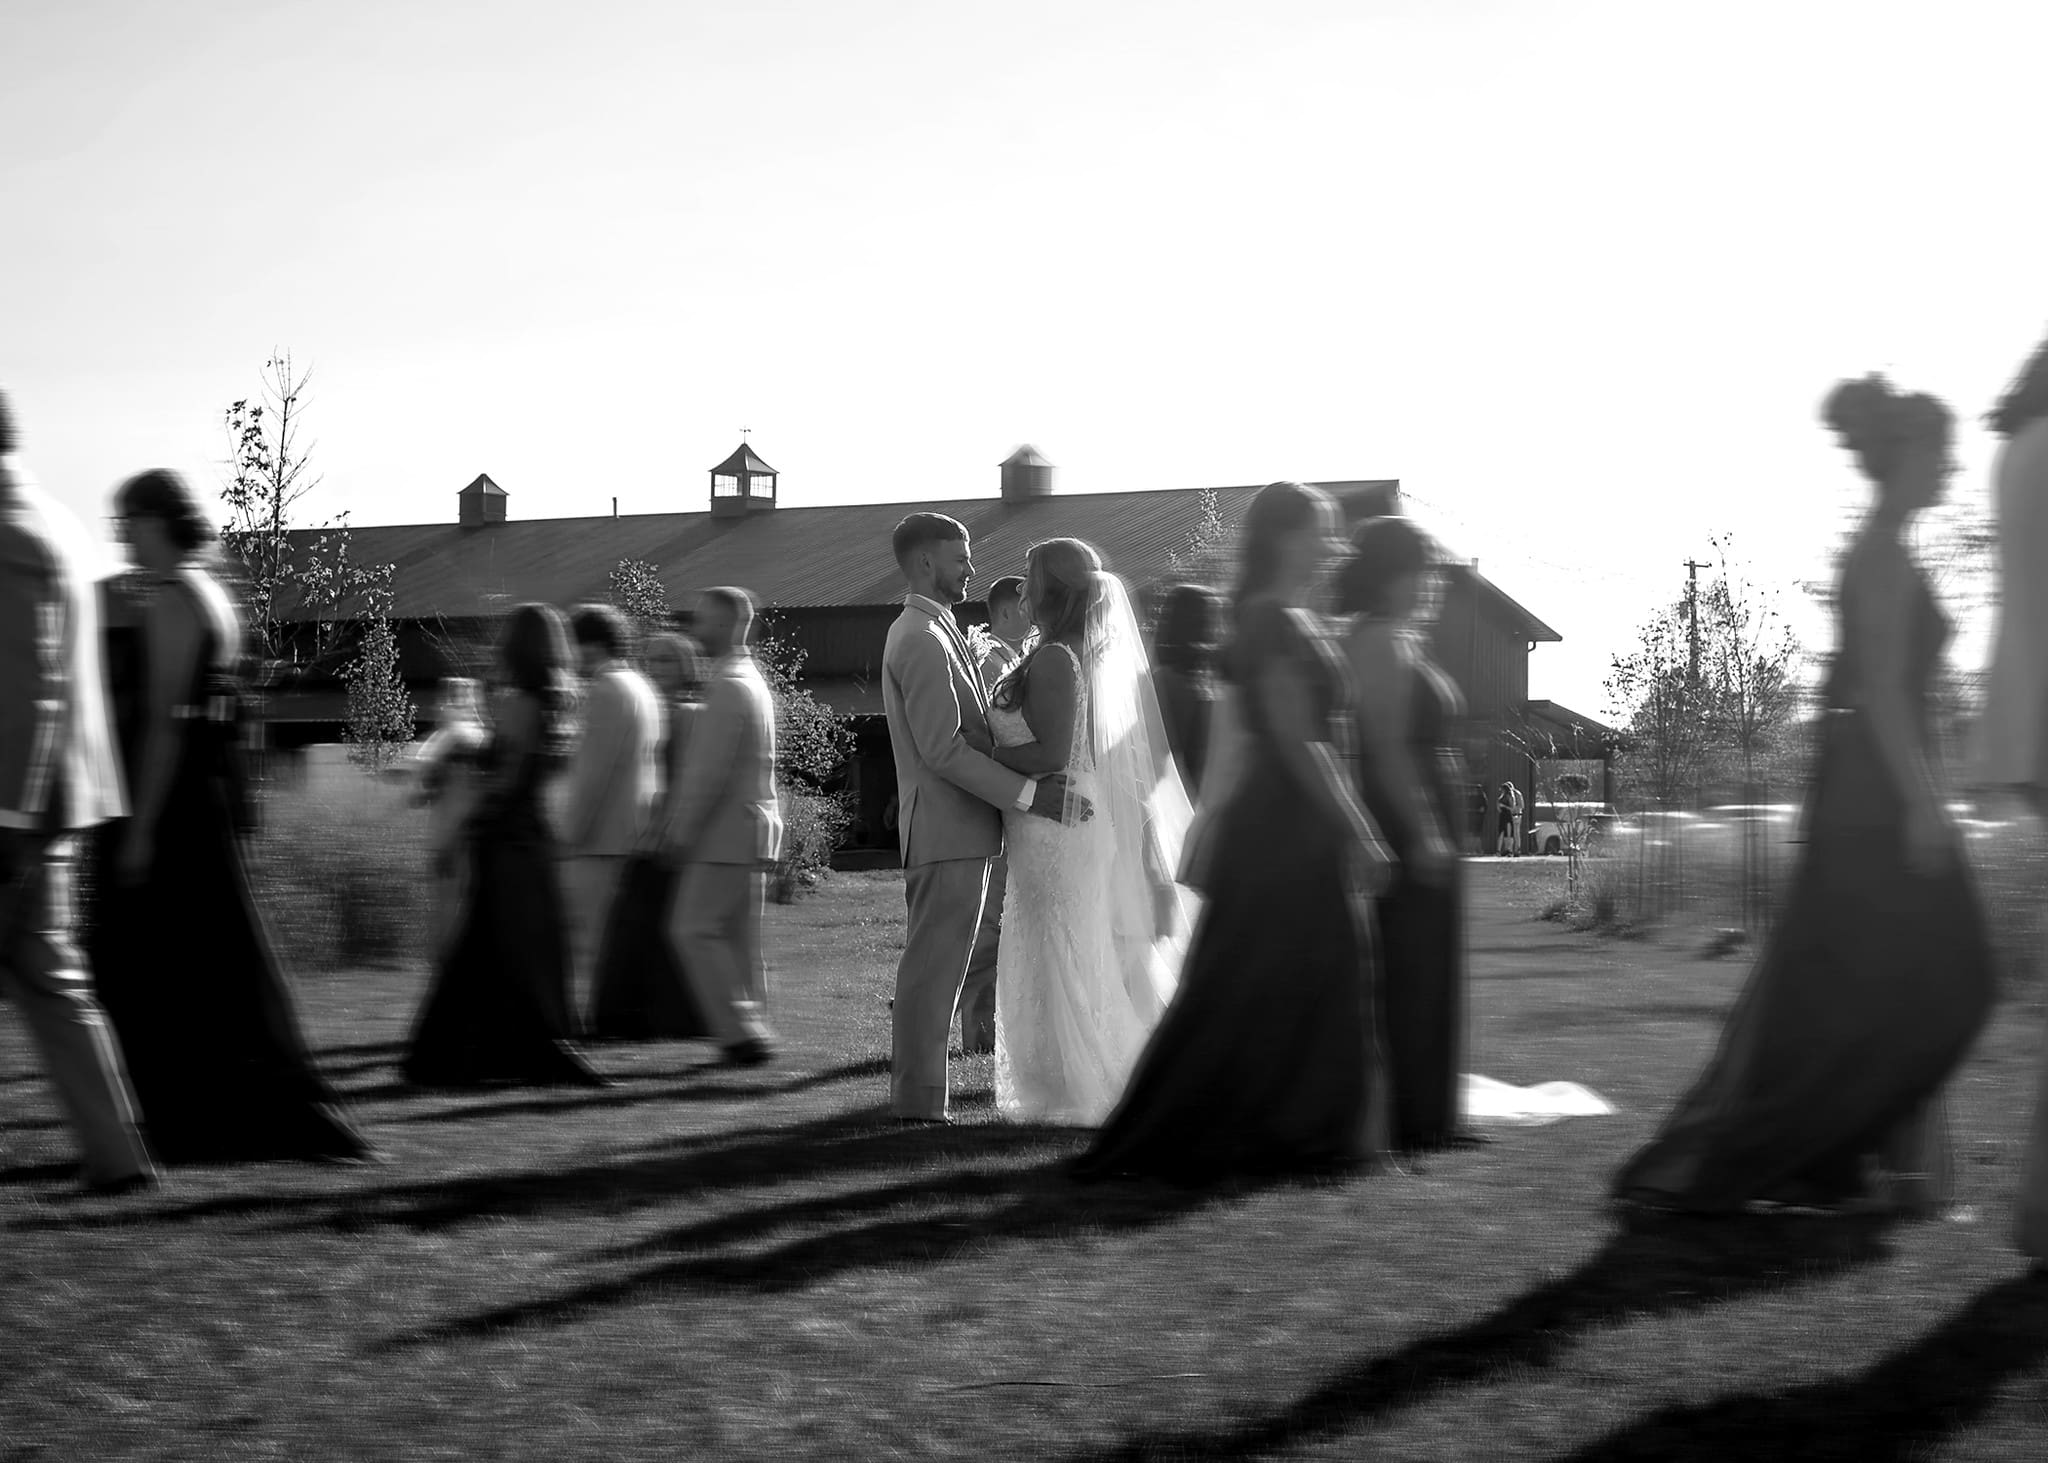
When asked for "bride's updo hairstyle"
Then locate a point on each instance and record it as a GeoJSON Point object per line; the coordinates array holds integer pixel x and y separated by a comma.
{"type": "Point", "coordinates": [1061, 577]}
{"type": "Point", "coordinates": [1883, 426]}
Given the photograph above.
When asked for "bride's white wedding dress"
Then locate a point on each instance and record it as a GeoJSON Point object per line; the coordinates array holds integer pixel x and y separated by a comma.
{"type": "Point", "coordinates": [1082, 974]}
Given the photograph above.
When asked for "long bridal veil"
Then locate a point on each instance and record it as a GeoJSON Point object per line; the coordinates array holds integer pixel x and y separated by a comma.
{"type": "Point", "coordinates": [1138, 794]}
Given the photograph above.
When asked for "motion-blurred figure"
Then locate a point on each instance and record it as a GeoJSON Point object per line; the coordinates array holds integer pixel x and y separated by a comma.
{"type": "Point", "coordinates": [1825, 1088]}
{"type": "Point", "coordinates": [2013, 730]}
{"type": "Point", "coordinates": [613, 780]}
{"type": "Point", "coordinates": [187, 970]}
{"type": "Point", "coordinates": [723, 828]}
{"type": "Point", "coordinates": [498, 1010]}
{"type": "Point", "coordinates": [1268, 1058]}
{"type": "Point", "coordinates": [58, 777]}
{"type": "Point", "coordinates": [1411, 779]}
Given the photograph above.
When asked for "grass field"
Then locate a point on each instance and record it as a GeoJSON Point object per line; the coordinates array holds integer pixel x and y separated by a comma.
{"type": "Point", "coordinates": [696, 1263]}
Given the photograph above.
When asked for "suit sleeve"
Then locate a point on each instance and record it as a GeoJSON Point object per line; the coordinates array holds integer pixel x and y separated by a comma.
{"type": "Point", "coordinates": [34, 616]}
{"type": "Point", "coordinates": [596, 761]}
{"type": "Point", "coordinates": [710, 761]}
{"type": "Point", "coordinates": [932, 707]}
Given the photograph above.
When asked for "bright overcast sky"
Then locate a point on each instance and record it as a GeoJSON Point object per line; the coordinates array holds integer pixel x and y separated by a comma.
{"type": "Point", "coordinates": [1577, 273]}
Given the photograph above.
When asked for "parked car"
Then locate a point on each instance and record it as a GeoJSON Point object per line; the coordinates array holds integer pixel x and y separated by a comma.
{"type": "Point", "coordinates": [1551, 826]}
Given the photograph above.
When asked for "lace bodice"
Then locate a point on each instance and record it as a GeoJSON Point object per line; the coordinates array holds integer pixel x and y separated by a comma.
{"type": "Point", "coordinates": [1009, 728]}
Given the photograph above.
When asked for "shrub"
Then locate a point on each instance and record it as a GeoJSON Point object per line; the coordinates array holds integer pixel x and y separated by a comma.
{"type": "Point", "coordinates": [813, 823]}
{"type": "Point", "coordinates": [340, 868]}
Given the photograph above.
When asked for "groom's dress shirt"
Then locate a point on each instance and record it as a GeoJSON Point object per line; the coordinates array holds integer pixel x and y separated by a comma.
{"type": "Point", "coordinates": [944, 616]}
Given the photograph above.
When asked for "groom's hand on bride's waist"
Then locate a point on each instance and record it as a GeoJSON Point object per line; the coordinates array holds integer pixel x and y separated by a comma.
{"type": "Point", "coordinates": [1052, 798]}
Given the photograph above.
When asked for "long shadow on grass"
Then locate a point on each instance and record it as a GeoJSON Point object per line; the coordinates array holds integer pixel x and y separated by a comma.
{"type": "Point", "coordinates": [698, 1090]}
{"type": "Point", "coordinates": [927, 1220]}
{"type": "Point", "coordinates": [1901, 1408]}
{"type": "Point", "coordinates": [1656, 1267]}
{"type": "Point", "coordinates": [619, 1183]}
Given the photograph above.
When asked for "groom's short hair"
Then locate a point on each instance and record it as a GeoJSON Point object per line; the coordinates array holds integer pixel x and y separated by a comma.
{"type": "Point", "coordinates": [1005, 592]}
{"type": "Point", "coordinates": [922, 529]}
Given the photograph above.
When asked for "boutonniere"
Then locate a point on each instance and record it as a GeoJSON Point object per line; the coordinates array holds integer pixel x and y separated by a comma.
{"type": "Point", "coordinates": [979, 642]}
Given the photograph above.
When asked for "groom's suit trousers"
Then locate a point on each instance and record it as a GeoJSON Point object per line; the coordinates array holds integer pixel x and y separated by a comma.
{"type": "Point", "coordinates": [42, 970]}
{"type": "Point", "coordinates": [944, 902]}
{"type": "Point", "coordinates": [978, 994]}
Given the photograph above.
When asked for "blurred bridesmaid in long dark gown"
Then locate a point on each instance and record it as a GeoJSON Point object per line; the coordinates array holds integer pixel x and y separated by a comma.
{"type": "Point", "coordinates": [640, 993]}
{"type": "Point", "coordinates": [498, 1011]}
{"type": "Point", "coordinates": [1267, 1061]}
{"type": "Point", "coordinates": [1825, 1089]}
{"type": "Point", "coordinates": [2012, 731]}
{"type": "Point", "coordinates": [1184, 675]}
{"type": "Point", "coordinates": [186, 966]}
{"type": "Point", "coordinates": [1412, 782]}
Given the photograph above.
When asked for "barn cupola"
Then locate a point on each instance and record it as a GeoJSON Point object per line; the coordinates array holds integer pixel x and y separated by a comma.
{"type": "Point", "coordinates": [741, 484]}
{"type": "Point", "coordinates": [1026, 475]}
{"type": "Point", "coordinates": [481, 503]}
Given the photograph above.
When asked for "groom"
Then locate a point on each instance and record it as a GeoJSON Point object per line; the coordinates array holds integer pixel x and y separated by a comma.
{"type": "Point", "coordinates": [59, 778]}
{"type": "Point", "coordinates": [949, 794]}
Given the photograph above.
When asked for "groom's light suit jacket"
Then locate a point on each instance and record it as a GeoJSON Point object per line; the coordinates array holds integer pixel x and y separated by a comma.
{"type": "Point", "coordinates": [947, 794]}
{"type": "Point", "coordinates": [58, 768]}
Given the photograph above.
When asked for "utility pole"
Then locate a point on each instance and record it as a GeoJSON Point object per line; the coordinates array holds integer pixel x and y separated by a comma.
{"type": "Point", "coordinates": [1692, 620]}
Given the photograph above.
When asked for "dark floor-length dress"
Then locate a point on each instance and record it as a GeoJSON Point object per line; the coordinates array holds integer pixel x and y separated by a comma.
{"type": "Point", "coordinates": [184, 962]}
{"type": "Point", "coordinates": [640, 992]}
{"type": "Point", "coordinates": [498, 1011]}
{"type": "Point", "coordinates": [1264, 1062]}
{"type": "Point", "coordinates": [1422, 926]}
{"type": "Point", "coordinates": [1864, 999]}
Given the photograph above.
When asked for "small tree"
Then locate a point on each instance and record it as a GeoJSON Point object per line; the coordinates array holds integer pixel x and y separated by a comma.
{"type": "Point", "coordinates": [270, 474]}
{"type": "Point", "coordinates": [380, 711]}
{"type": "Point", "coordinates": [1575, 823]}
{"type": "Point", "coordinates": [1752, 682]}
{"type": "Point", "coordinates": [1663, 712]}
{"type": "Point", "coordinates": [812, 743]}
{"type": "Point", "coordinates": [637, 592]}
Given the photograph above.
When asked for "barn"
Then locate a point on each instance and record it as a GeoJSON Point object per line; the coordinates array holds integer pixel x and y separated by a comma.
{"type": "Point", "coordinates": [828, 585]}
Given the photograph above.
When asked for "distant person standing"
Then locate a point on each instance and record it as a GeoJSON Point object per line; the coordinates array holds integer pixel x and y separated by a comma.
{"type": "Point", "coordinates": [723, 828]}
{"type": "Point", "coordinates": [613, 779]}
{"type": "Point", "coordinates": [1009, 627]}
{"type": "Point", "coordinates": [1509, 806]}
{"type": "Point", "coordinates": [1009, 623]}
{"type": "Point", "coordinates": [58, 777]}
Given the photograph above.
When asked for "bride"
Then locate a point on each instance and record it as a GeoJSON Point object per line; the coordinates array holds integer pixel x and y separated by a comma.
{"type": "Point", "coordinates": [1094, 926]}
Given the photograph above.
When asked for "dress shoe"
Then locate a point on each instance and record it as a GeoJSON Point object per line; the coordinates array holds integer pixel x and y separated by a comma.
{"type": "Point", "coordinates": [747, 1054]}
{"type": "Point", "coordinates": [909, 1121]}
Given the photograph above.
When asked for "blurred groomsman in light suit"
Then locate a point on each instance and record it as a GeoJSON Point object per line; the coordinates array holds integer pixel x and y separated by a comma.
{"type": "Point", "coordinates": [614, 780]}
{"type": "Point", "coordinates": [58, 777]}
{"type": "Point", "coordinates": [724, 829]}
{"type": "Point", "coordinates": [1009, 625]}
